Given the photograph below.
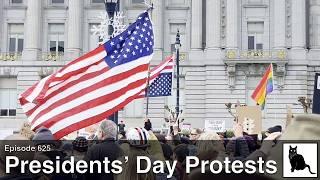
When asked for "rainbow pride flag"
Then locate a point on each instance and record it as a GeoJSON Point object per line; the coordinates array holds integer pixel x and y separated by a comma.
{"type": "Point", "coordinates": [264, 88]}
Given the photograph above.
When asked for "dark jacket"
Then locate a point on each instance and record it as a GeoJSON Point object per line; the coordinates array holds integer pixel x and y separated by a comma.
{"type": "Point", "coordinates": [238, 149]}
{"type": "Point", "coordinates": [107, 148]}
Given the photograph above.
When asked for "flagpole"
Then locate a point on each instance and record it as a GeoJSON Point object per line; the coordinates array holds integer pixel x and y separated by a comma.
{"type": "Point", "coordinates": [147, 92]}
{"type": "Point", "coordinates": [150, 8]}
{"type": "Point", "coordinates": [274, 95]}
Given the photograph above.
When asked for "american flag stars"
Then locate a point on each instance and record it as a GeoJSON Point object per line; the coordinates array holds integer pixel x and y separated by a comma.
{"type": "Point", "coordinates": [137, 39]}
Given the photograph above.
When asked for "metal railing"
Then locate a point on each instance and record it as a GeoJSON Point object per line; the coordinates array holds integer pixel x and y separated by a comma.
{"type": "Point", "coordinates": [256, 54]}
{"type": "Point", "coordinates": [10, 56]}
{"type": "Point", "coordinates": [52, 56]}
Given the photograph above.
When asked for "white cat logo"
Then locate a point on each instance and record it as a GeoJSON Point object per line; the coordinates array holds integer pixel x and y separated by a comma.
{"type": "Point", "coordinates": [300, 160]}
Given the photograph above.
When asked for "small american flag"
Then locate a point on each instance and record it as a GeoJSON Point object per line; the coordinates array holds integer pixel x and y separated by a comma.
{"type": "Point", "coordinates": [160, 82]}
{"type": "Point", "coordinates": [94, 86]}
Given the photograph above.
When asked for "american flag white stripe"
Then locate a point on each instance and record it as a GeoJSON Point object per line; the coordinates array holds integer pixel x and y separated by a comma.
{"type": "Point", "coordinates": [40, 87]}
{"type": "Point", "coordinates": [85, 84]}
{"type": "Point", "coordinates": [95, 111]}
{"type": "Point", "coordinates": [67, 105]}
{"type": "Point", "coordinates": [37, 89]}
{"type": "Point", "coordinates": [82, 64]}
{"type": "Point", "coordinates": [92, 87]}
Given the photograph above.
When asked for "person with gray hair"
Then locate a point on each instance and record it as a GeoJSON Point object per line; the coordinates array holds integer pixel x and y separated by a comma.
{"type": "Point", "coordinates": [107, 130]}
{"type": "Point", "coordinates": [107, 147]}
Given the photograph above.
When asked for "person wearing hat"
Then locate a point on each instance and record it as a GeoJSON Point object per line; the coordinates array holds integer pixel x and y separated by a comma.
{"type": "Point", "coordinates": [107, 147]}
{"type": "Point", "coordinates": [139, 144]}
{"type": "Point", "coordinates": [44, 137]}
{"type": "Point", "coordinates": [80, 144]}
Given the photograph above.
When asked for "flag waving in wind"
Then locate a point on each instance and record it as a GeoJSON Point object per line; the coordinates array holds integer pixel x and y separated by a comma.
{"type": "Point", "coordinates": [160, 80]}
{"type": "Point", "coordinates": [94, 86]}
{"type": "Point", "coordinates": [264, 88]}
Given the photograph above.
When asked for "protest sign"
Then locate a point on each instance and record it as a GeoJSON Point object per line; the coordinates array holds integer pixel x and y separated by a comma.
{"type": "Point", "coordinates": [215, 125]}
{"type": "Point", "coordinates": [251, 119]}
{"type": "Point", "coordinates": [186, 127]}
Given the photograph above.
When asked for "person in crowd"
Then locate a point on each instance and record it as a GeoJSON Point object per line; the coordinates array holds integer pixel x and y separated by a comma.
{"type": "Point", "coordinates": [210, 147]}
{"type": "Point", "coordinates": [147, 124]}
{"type": "Point", "coordinates": [121, 126]}
{"type": "Point", "coordinates": [80, 147]}
{"type": "Point", "coordinates": [180, 153]}
{"type": "Point", "coordinates": [107, 147]}
{"type": "Point", "coordinates": [139, 142]}
{"type": "Point", "coordinates": [195, 134]}
{"type": "Point", "coordinates": [237, 147]}
{"type": "Point", "coordinates": [44, 139]}
{"type": "Point", "coordinates": [15, 173]}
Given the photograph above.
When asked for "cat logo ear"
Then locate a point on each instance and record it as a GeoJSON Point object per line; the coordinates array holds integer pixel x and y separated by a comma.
{"type": "Point", "coordinates": [296, 147]}
{"type": "Point", "coordinates": [290, 147]}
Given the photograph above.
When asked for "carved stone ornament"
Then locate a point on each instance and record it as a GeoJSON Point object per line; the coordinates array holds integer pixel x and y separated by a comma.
{"type": "Point", "coordinates": [231, 70]}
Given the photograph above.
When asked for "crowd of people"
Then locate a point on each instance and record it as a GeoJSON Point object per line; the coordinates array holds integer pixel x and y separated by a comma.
{"type": "Point", "coordinates": [109, 142]}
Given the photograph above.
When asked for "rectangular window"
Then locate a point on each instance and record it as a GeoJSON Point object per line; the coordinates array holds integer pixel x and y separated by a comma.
{"type": "Point", "coordinates": [56, 38]}
{"type": "Point", "coordinates": [255, 35]}
{"type": "Point", "coordinates": [254, 1]}
{"type": "Point", "coordinates": [16, 1]}
{"type": "Point", "coordinates": [137, 1]}
{"type": "Point", "coordinates": [259, 46]}
{"type": "Point", "coordinates": [97, 1]}
{"type": "Point", "coordinates": [250, 42]}
{"type": "Point", "coordinates": [15, 38]}
{"type": "Point", "coordinates": [57, 1]}
{"type": "Point", "coordinates": [8, 96]}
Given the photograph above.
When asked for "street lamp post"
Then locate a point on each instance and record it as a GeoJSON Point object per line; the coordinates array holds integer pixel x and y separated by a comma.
{"type": "Point", "coordinates": [177, 46]}
{"type": "Point", "coordinates": [111, 7]}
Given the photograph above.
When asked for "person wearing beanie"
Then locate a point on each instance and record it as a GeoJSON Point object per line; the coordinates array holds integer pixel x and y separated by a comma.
{"type": "Point", "coordinates": [80, 144]}
{"type": "Point", "coordinates": [43, 136]}
{"type": "Point", "coordinates": [107, 147]}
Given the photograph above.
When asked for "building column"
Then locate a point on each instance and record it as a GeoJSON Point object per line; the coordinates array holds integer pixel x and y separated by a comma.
{"type": "Point", "coordinates": [32, 31]}
{"type": "Point", "coordinates": [298, 24]}
{"type": "Point", "coordinates": [315, 25]}
{"type": "Point", "coordinates": [279, 18]}
{"type": "Point", "coordinates": [1, 22]}
{"type": "Point", "coordinates": [75, 17]}
{"type": "Point", "coordinates": [232, 24]}
{"type": "Point", "coordinates": [196, 31]}
{"type": "Point", "coordinates": [213, 24]}
{"type": "Point", "coordinates": [157, 18]}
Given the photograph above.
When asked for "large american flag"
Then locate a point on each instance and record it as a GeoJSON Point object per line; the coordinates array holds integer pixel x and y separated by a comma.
{"type": "Point", "coordinates": [94, 86]}
{"type": "Point", "coordinates": [160, 81]}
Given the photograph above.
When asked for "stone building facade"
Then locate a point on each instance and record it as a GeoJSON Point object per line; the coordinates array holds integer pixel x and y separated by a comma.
{"type": "Point", "coordinates": [226, 47]}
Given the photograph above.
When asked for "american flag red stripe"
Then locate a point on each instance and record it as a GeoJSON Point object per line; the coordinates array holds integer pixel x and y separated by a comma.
{"type": "Point", "coordinates": [87, 90]}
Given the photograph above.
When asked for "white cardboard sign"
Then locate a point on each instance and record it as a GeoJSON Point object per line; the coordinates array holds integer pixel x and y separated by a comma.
{"type": "Point", "coordinates": [215, 125]}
